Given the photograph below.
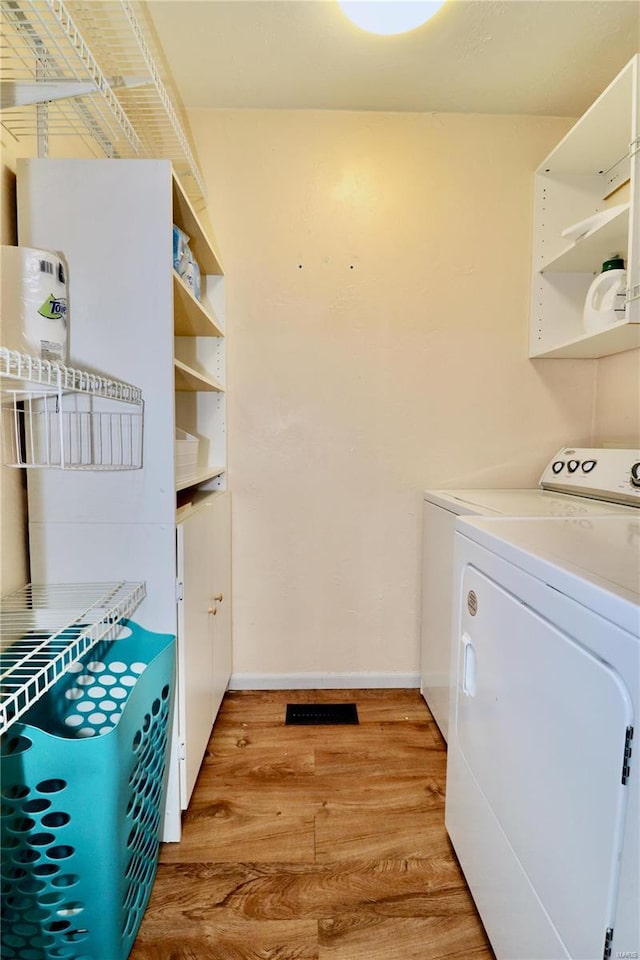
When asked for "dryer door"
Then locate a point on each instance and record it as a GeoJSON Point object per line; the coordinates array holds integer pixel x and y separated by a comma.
{"type": "Point", "coordinates": [541, 722]}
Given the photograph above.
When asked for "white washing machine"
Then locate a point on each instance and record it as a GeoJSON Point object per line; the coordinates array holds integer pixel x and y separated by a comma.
{"type": "Point", "coordinates": [576, 482]}
{"type": "Point", "coordinates": [542, 801]}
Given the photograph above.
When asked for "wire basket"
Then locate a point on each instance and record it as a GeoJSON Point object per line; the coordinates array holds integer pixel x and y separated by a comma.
{"type": "Point", "coordinates": [72, 431]}
{"type": "Point", "coordinates": [59, 416]}
{"type": "Point", "coordinates": [82, 800]}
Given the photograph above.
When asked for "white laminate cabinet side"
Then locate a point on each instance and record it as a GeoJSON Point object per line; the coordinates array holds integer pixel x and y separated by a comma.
{"type": "Point", "coordinates": [595, 166]}
{"type": "Point", "coordinates": [195, 646]}
{"type": "Point", "coordinates": [221, 599]}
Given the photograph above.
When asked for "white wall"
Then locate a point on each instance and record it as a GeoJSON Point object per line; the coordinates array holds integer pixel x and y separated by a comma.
{"type": "Point", "coordinates": [618, 400]}
{"type": "Point", "coordinates": [378, 278]}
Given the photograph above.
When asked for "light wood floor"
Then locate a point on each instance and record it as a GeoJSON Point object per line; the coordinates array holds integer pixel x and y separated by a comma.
{"type": "Point", "coordinates": [315, 843]}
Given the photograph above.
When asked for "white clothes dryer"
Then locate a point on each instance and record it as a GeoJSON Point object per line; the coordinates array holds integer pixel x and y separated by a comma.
{"type": "Point", "coordinates": [542, 800]}
{"type": "Point", "coordinates": [576, 482]}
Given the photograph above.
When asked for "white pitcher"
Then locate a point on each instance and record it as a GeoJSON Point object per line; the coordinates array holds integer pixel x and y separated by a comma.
{"type": "Point", "coordinates": [605, 303]}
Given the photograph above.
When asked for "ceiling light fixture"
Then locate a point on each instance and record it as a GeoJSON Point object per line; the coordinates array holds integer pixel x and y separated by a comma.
{"type": "Point", "coordinates": [389, 16]}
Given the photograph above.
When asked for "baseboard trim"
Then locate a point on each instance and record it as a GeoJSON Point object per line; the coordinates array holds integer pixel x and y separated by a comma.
{"type": "Point", "coordinates": [323, 681]}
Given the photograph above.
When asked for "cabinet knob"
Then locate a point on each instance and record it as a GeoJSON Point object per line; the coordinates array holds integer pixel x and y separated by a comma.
{"type": "Point", "coordinates": [212, 610]}
{"type": "Point", "coordinates": [219, 598]}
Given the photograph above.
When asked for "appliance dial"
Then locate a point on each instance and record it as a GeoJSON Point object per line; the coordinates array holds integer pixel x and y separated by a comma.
{"type": "Point", "coordinates": [573, 465]}
{"type": "Point", "coordinates": [588, 465]}
{"type": "Point", "coordinates": [635, 475]}
{"type": "Point", "coordinates": [557, 466]}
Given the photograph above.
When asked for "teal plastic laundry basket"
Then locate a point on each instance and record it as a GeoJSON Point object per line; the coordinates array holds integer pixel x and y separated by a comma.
{"type": "Point", "coordinates": [83, 785]}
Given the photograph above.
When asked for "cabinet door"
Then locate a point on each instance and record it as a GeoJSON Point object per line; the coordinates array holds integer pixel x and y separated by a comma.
{"type": "Point", "coordinates": [195, 646]}
{"type": "Point", "coordinates": [220, 509]}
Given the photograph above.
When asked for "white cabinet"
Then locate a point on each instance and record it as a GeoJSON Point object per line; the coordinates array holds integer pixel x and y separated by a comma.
{"type": "Point", "coordinates": [594, 170]}
{"type": "Point", "coordinates": [204, 628]}
{"type": "Point", "coordinates": [131, 315]}
{"type": "Point", "coordinates": [220, 506]}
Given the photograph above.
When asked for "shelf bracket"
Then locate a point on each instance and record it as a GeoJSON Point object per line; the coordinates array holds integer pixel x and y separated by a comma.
{"type": "Point", "coordinates": [27, 93]}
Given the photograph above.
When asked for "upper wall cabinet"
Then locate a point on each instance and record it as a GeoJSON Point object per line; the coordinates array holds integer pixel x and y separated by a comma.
{"type": "Point", "coordinates": [587, 211]}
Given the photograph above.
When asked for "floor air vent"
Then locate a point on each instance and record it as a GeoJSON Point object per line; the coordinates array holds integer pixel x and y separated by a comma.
{"type": "Point", "coordinates": [321, 713]}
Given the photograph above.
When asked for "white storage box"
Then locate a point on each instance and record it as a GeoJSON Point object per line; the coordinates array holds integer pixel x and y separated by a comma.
{"type": "Point", "coordinates": [186, 454]}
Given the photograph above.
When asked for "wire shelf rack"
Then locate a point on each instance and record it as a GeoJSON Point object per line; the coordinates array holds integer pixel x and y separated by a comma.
{"type": "Point", "coordinates": [30, 370]}
{"type": "Point", "coordinates": [57, 416]}
{"type": "Point", "coordinates": [46, 628]}
{"type": "Point", "coordinates": [93, 71]}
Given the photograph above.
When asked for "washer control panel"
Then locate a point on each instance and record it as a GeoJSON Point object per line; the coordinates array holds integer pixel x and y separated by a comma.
{"type": "Point", "coordinates": [602, 473]}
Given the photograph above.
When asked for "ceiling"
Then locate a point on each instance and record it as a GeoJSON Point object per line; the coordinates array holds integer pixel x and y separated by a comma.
{"type": "Point", "coordinates": [542, 57]}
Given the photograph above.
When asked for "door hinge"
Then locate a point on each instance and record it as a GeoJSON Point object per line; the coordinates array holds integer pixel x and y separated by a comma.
{"type": "Point", "coordinates": [608, 940]}
{"type": "Point", "coordinates": [179, 590]}
{"type": "Point", "coordinates": [634, 147]}
{"type": "Point", "coordinates": [182, 750]}
{"type": "Point", "coordinates": [626, 759]}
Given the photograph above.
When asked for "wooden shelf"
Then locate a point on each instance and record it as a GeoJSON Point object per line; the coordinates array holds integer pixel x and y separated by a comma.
{"type": "Point", "coordinates": [186, 218]}
{"type": "Point", "coordinates": [209, 474]}
{"type": "Point", "coordinates": [191, 319]}
{"type": "Point", "coordinates": [188, 379]}
{"type": "Point", "coordinates": [200, 499]}
{"type": "Point", "coordinates": [616, 339]}
{"type": "Point", "coordinates": [589, 253]}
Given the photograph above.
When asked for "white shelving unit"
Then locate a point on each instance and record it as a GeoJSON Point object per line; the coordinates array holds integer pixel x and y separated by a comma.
{"type": "Point", "coordinates": [594, 167]}
{"type": "Point", "coordinates": [190, 317]}
{"type": "Point", "coordinates": [46, 628]}
{"type": "Point", "coordinates": [128, 310]}
{"type": "Point", "coordinates": [199, 478]}
{"type": "Point", "coordinates": [58, 416]}
{"type": "Point", "coordinates": [189, 380]}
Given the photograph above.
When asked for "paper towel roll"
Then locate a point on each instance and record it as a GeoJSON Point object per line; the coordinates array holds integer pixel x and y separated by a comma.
{"type": "Point", "coordinates": [34, 302]}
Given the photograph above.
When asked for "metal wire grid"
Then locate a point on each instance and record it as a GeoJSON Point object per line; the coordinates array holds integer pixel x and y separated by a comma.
{"type": "Point", "coordinates": [77, 422]}
{"type": "Point", "coordinates": [124, 40]}
{"type": "Point", "coordinates": [40, 42]}
{"type": "Point", "coordinates": [48, 430]}
{"type": "Point", "coordinates": [46, 628]}
{"type": "Point", "coordinates": [109, 45]}
{"type": "Point", "coordinates": [30, 370]}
